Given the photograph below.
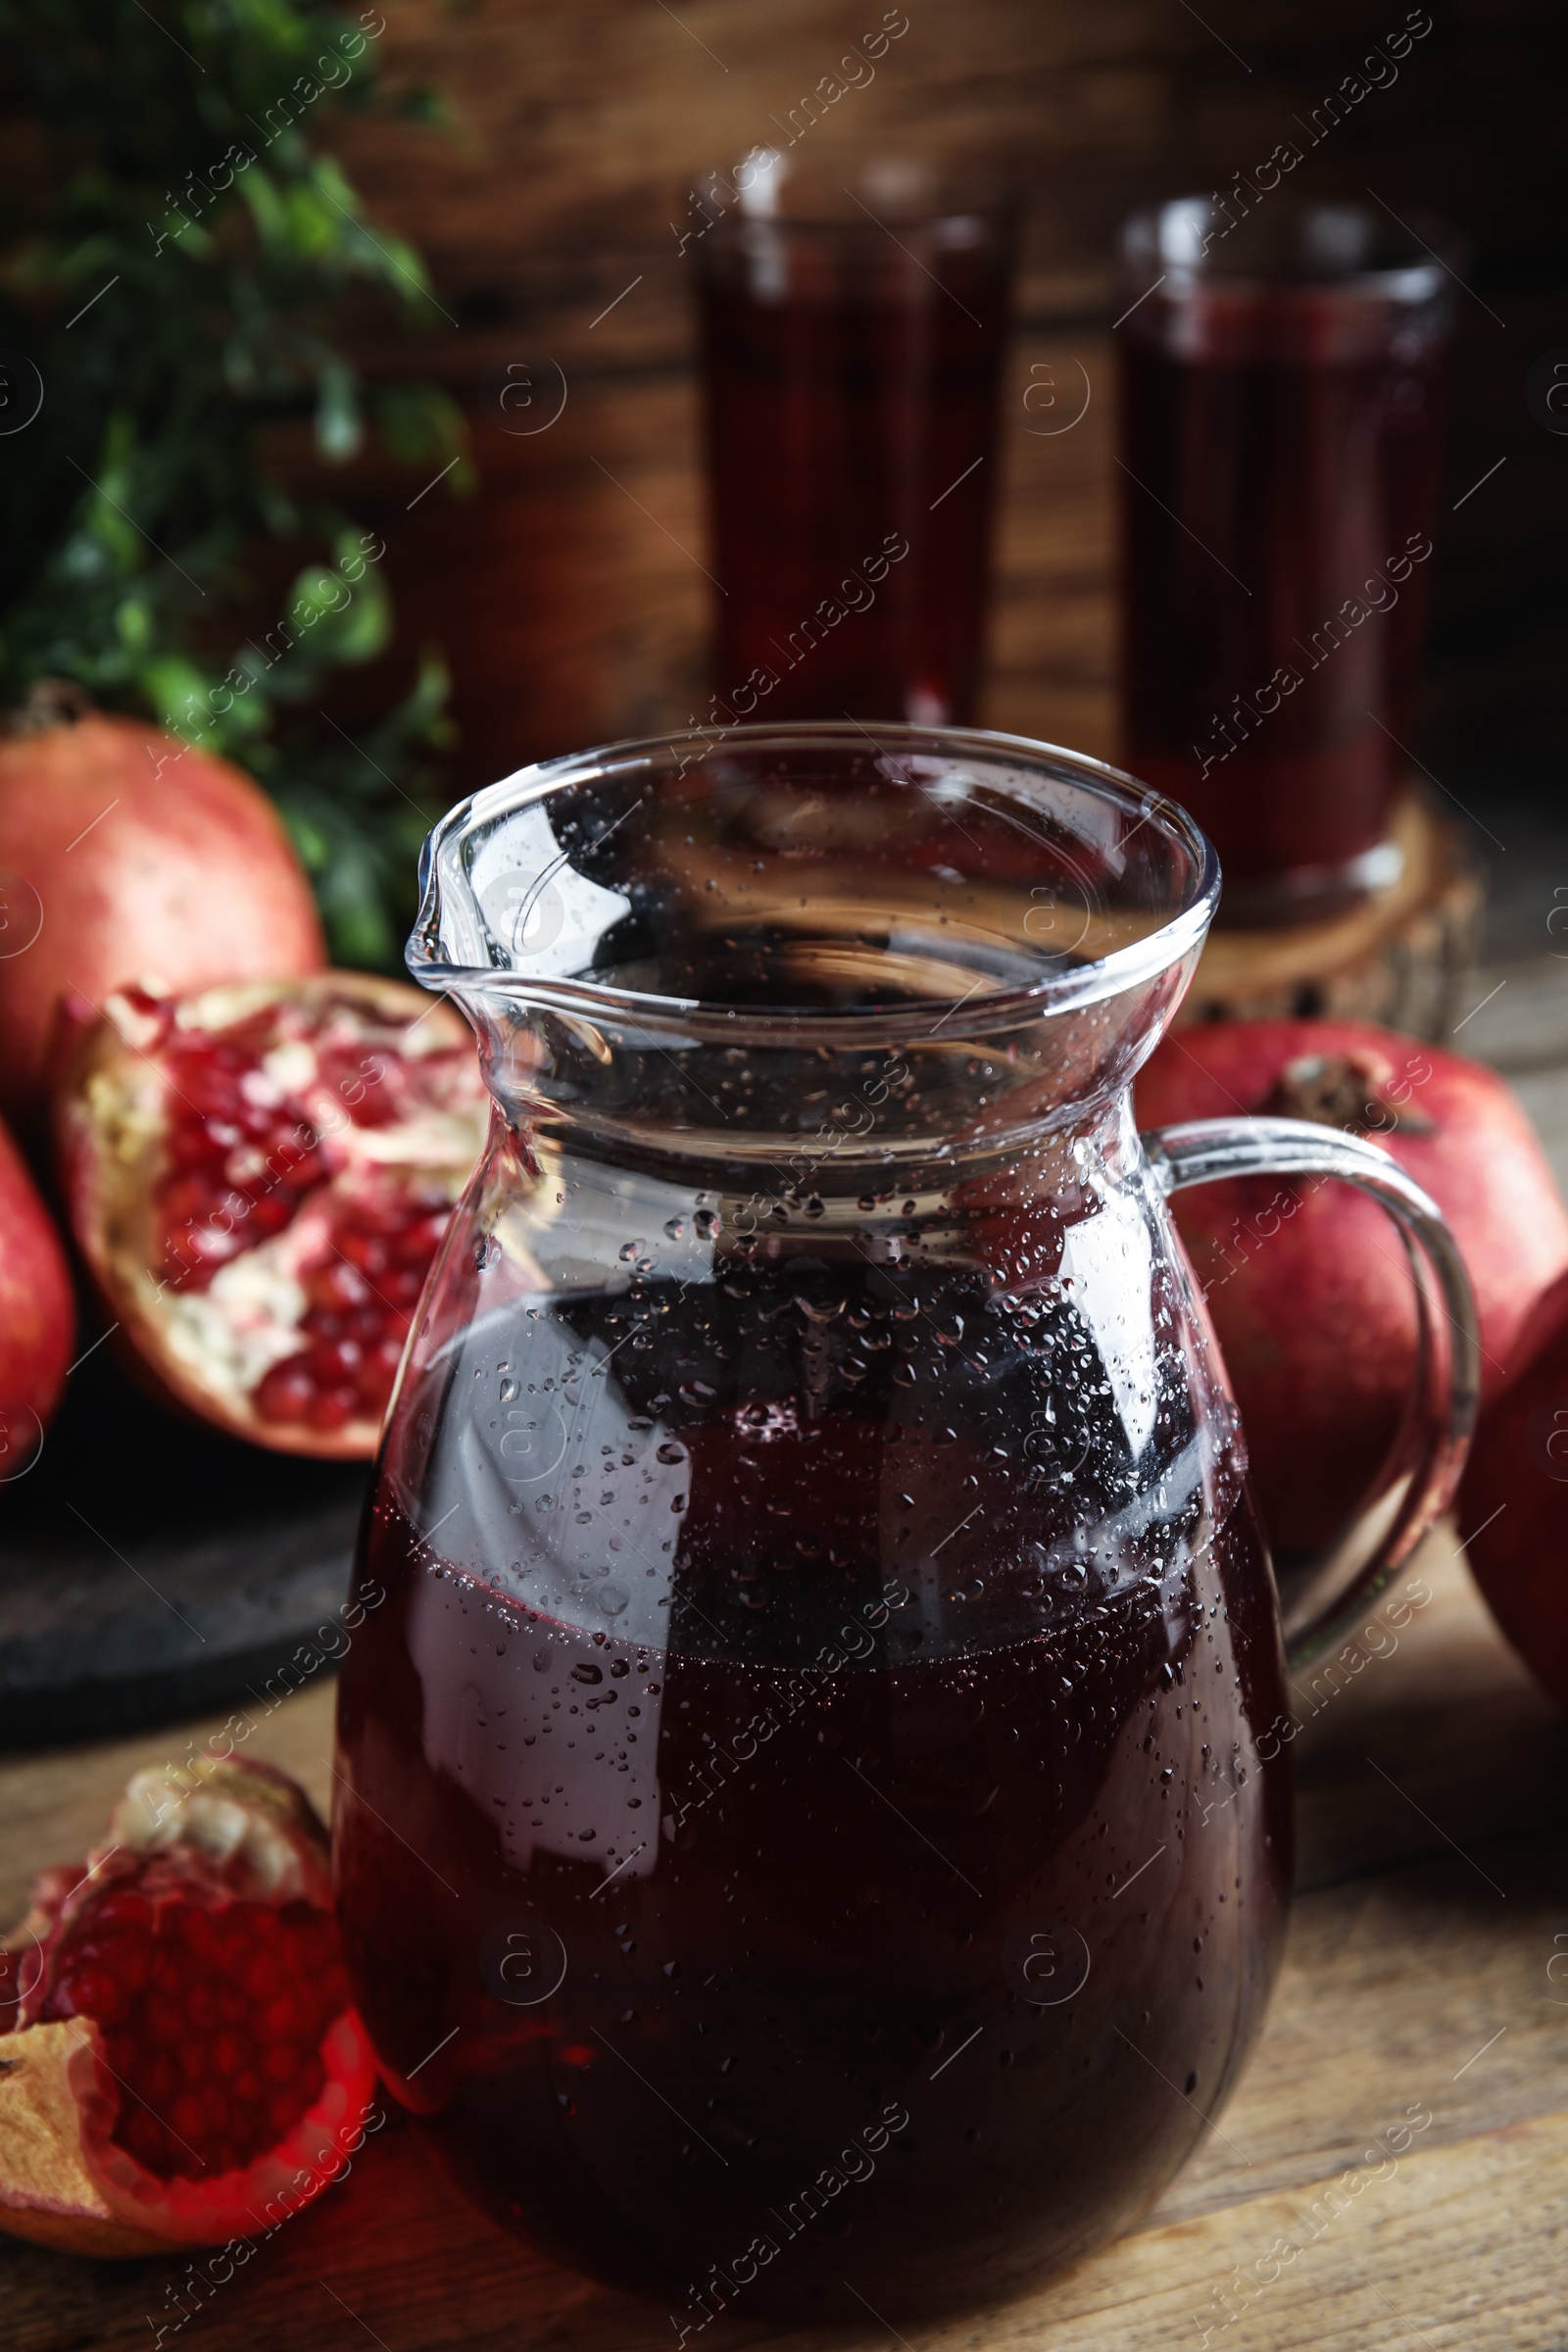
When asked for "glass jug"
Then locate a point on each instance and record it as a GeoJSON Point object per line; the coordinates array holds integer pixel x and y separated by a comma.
{"type": "Point", "coordinates": [813, 1824]}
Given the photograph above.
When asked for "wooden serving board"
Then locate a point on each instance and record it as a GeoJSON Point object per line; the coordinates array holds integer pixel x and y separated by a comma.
{"type": "Point", "coordinates": [1398, 958]}
{"type": "Point", "coordinates": [150, 1566]}
{"type": "Point", "coordinates": [1427, 1970]}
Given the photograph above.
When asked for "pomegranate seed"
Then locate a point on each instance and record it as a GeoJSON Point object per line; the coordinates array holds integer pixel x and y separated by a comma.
{"type": "Point", "coordinates": [189, 2121]}
{"type": "Point", "coordinates": [160, 2076]}
{"type": "Point", "coordinates": [331, 1408]}
{"type": "Point", "coordinates": [243, 1155]}
{"type": "Point", "coordinates": [89, 1990]}
{"type": "Point", "coordinates": [284, 1392]}
{"type": "Point", "coordinates": [332, 1361]}
{"type": "Point", "coordinates": [201, 2007]}
{"type": "Point", "coordinates": [228, 2056]}
{"type": "Point", "coordinates": [211, 2019]}
{"type": "Point", "coordinates": [272, 1215]}
{"type": "Point", "coordinates": [262, 1977]}
{"type": "Point", "coordinates": [281, 2062]}
{"type": "Point", "coordinates": [164, 2020]}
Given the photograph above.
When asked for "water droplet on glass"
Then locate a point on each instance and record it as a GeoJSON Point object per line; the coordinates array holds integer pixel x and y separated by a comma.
{"type": "Point", "coordinates": [511, 1390]}
{"type": "Point", "coordinates": [670, 1454]}
{"type": "Point", "coordinates": [611, 1600]}
{"type": "Point", "coordinates": [630, 1249]}
{"type": "Point", "coordinates": [706, 1224]}
{"type": "Point", "coordinates": [675, 1228]}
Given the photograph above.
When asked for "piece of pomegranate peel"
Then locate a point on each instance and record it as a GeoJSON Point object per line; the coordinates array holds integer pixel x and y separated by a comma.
{"type": "Point", "coordinates": [178, 2063]}
{"type": "Point", "coordinates": [259, 1176]}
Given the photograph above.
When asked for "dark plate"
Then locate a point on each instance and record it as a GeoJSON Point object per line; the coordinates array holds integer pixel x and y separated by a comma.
{"type": "Point", "coordinates": [151, 1568]}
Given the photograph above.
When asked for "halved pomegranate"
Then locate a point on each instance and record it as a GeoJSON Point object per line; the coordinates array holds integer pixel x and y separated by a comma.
{"type": "Point", "coordinates": [179, 2055]}
{"type": "Point", "coordinates": [259, 1177]}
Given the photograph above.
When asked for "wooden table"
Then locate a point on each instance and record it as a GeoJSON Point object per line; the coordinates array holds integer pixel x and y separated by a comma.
{"type": "Point", "coordinates": [1426, 1970]}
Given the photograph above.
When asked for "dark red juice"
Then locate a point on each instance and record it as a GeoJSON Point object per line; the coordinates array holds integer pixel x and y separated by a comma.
{"type": "Point", "coordinates": [852, 376]}
{"type": "Point", "coordinates": [886, 1927]}
{"type": "Point", "coordinates": [1281, 442]}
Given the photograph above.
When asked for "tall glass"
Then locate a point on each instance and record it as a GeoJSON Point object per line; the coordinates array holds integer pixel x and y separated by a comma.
{"type": "Point", "coordinates": [812, 1809]}
{"type": "Point", "coordinates": [852, 338]}
{"type": "Point", "coordinates": [1283, 396]}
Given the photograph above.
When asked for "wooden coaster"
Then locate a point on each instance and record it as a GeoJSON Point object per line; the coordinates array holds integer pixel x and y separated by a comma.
{"type": "Point", "coordinates": [1398, 958]}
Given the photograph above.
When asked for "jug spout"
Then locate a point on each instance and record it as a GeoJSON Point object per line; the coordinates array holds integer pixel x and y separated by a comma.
{"type": "Point", "coordinates": [729, 937]}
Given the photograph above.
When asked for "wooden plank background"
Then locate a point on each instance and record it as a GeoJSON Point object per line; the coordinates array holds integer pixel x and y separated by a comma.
{"type": "Point", "coordinates": [568, 591]}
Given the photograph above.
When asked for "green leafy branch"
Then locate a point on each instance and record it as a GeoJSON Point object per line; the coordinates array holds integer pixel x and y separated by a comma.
{"type": "Point", "coordinates": [176, 260]}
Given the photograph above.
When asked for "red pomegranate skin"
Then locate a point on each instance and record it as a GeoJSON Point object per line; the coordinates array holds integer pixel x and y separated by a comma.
{"type": "Point", "coordinates": [1306, 1280]}
{"type": "Point", "coordinates": [37, 1313]}
{"type": "Point", "coordinates": [1513, 1501]}
{"type": "Point", "coordinates": [133, 856]}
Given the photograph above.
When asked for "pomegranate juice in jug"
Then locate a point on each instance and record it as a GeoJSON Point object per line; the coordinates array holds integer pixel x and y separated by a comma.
{"type": "Point", "coordinates": [812, 1823]}
{"type": "Point", "coordinates": [818, 1841]}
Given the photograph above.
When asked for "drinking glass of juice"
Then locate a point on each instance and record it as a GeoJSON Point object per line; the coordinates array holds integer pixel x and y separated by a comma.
{"type": "Point", "coordinates": [813, 1816]}
{"type": "Point", "coordinates": [1283, 395]}
{"type": "Point", "coordinates": [853, 324]}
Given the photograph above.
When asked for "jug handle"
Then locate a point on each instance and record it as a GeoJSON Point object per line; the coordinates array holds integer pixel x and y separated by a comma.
{"type": "Point", "coordinates": [1435, 1437]}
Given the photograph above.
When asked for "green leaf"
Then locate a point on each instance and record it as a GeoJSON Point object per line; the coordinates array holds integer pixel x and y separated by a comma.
{"type": "Point", "coordinates": [339, 430]}
{"type": "Point", "coordinates": [267, 206]}
{"type": "Point", "coordinates": [134, 624]}
{"type": "Point", "coordinates": [182, 214]}
{"type": "Point", "coordinates": [310, 227]}
{"type": "Point", "coordinates": [180, 695]}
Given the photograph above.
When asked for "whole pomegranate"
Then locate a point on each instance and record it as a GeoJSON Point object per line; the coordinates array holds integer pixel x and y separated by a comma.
{"type": "Point", "coordinates": [38, 1315]}
{"type": "Point", "coordinates": [259, 1177]}
{"type": "Point", "coordinates": [1304, 1278]}
{"type": "Point", "coordinates": [124, 854]}
{"type": "Point", "coordinates": [1513, 1501]}
{"type": "Point", "coordinates": [179, 2050]}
